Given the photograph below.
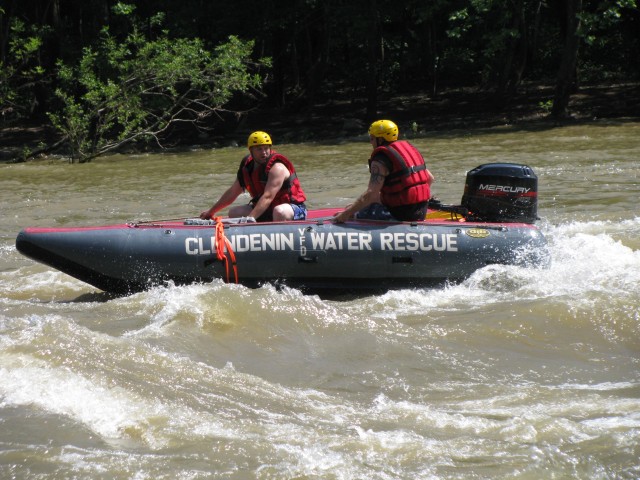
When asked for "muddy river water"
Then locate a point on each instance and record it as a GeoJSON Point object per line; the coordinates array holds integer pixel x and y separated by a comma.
{"type": "Point", "coordinates": [514, 373]}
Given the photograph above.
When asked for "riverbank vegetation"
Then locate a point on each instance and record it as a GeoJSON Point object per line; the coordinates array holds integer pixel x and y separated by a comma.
{"type": "Point", "coordinates": [99, 75]}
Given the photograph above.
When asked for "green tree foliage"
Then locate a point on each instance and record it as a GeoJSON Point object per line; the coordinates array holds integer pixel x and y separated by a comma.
{"type": "Point", "coordinates": [323, 51]}
{"type": "Point", "coordinates": [20, 69]}
{"type": "Point", "coordinates": [611, 41]}
{"type": "Point", "coordinates": [136, 88]}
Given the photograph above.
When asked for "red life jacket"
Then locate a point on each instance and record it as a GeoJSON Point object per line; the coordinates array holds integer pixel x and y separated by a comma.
{"type": "Point", "coordinates": [254, 180]}
{"type": "Point", "coordinates": [408, 182]}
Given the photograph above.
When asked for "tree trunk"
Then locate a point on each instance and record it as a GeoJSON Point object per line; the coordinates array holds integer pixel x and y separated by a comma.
{"type": "Point", "coordinates": [319, 57]}
{"type": "Point", "coordinates": [372, 69]}
{"type": "Point", "coordinates": [567, 72]}
{"type": "Point", "coordinates": [517, 53]}
{"type": "Point", "coordinates": [434, 57]}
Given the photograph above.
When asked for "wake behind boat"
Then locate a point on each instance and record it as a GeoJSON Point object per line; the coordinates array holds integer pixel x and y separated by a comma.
{"type": "Point", "coordinates": [494, 225]}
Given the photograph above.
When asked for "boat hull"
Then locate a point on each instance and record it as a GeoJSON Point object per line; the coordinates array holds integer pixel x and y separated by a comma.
{"type": "Point", "coordinates": [313, 255]}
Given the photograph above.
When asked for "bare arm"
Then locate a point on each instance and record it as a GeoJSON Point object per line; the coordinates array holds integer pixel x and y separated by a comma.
{"type": "Point", "coordinates": [430, 176]}
{"type": "Point", "coordinates": [277, 175]}
{"type": "Point", "coordinates": [225, 200]}
{"type": "Point", "coordinates": [370, 195]}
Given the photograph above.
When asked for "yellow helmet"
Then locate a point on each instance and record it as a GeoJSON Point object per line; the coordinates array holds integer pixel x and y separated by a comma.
{"type": "Point", "coordinates": [385, 129]}
{"type": "Point", "coordinates": [259, 138]}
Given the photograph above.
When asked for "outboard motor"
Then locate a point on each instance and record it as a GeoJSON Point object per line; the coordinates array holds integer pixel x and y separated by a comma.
{"type": "Point", "coordinates": [501, 192]}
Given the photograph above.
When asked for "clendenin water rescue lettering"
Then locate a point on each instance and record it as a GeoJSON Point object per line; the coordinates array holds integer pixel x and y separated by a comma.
{"type": "Point", "coordinates": [258, 242]}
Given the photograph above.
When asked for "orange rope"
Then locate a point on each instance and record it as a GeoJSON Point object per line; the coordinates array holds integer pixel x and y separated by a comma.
{"type": "Point", "coordinates": [221, 242]}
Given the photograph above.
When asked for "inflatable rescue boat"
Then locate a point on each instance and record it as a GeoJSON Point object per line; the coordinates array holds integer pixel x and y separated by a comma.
{"type": "Point", "coordinates": [494, 224]}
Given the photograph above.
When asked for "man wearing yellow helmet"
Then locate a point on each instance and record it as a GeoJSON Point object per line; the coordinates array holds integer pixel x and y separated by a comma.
{"type": "Point", "coordinates": [399, 183]}
{"type": "Point", "coordinates": [272, 182]}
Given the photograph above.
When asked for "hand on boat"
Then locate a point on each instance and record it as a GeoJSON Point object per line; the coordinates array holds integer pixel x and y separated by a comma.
{"type": "Point", "coordinates": [205, 215]}
{"type": "Point", "coordinates": [341, 217]}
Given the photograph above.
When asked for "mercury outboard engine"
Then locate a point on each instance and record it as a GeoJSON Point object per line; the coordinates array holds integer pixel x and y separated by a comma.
{"type": "Point", "coordinates": [501, 192]}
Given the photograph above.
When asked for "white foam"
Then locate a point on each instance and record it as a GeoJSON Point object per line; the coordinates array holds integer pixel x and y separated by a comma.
{"type": "Point", "coordinates": [107, 411]}
{"type": "Point", "coordinates": [587, 260]}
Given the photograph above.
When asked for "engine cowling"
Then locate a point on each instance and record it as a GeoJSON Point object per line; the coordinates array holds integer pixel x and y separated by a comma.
{"type": "Point", "coordinates": [501, 192]}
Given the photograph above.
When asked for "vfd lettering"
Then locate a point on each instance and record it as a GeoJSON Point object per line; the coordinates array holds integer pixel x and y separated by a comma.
{"type": "Point", "coordinates": [423, 242]}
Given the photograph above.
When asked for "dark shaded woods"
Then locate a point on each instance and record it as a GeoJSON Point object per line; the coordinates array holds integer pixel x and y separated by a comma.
{"type": "Point", "coordinates": [456, 60]}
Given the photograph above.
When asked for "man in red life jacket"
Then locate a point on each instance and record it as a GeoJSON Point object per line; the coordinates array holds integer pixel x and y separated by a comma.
{"type": "Point", "coordinates": [270, 179]}
{"type": "Point", "coordinates": [399, 185]}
